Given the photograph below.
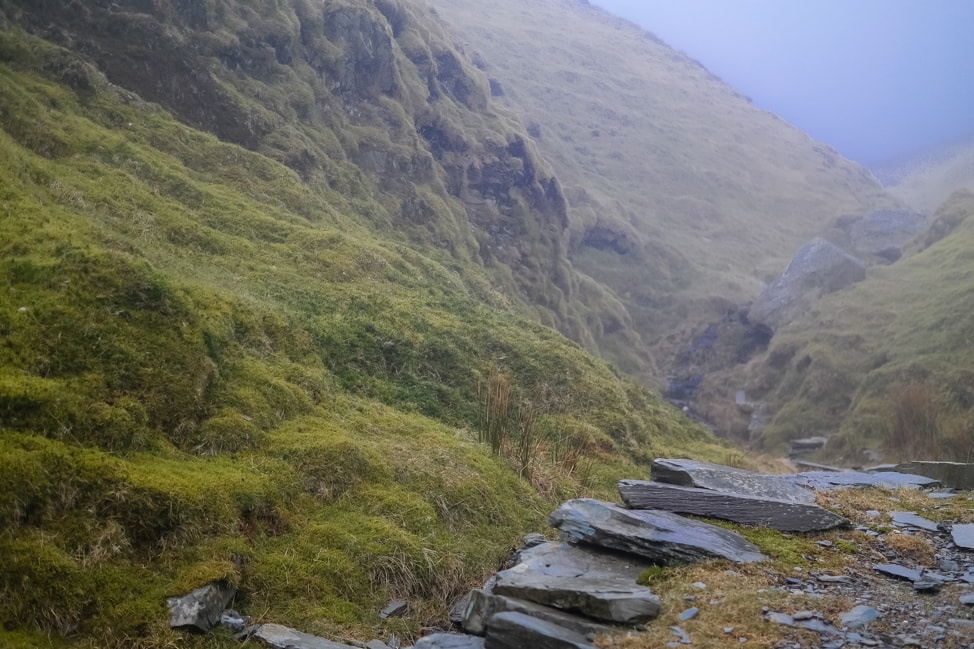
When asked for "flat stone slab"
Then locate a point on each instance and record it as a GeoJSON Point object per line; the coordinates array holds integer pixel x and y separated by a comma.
{"type": "Point", "coordinates": [898, 571]}
{"type": "Point", "coordinates": [483, 606]}
{"type": "Point", "coordinates": [662, 537]}
{"type": "Point", "coordinates": [953, 475]}
{"type": "Point", "coordinates": [831, 480]}
{"type": "Point", "coordinates": [751, 510]}
{"type": "Point", "coordinates": [282, 637]}
{"type": "Point", "coordinates": [517, 631]}
{"type": "Point", "coordinates": [583, 580]}
{"type": "Point", "coordinates": [449, 641]}
{"type": "Point", "coordinates": [690, 473]}
{"type": "Point", "coordinates": [909, 519]}
{"type": "Point", "coordinates": [963, 536]}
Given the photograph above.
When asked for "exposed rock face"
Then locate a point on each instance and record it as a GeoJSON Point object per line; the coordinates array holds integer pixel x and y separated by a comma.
{"type": "Point", "coordinates": [952, 475]}
{"type": "Point", "coordinates": [752, 510]}
{"type": "Point", "coordinates": [884, 233]}
{"type": "Point", "coordinates": [659, 536]}
{"type": "Point", "coordinates": [202, 608]}
{"type": "Point", "coordinates": [690, 473]}
{"type": "Point", "coordinates": [583, 580]}
{"type": "Point", "coordinates": [819, 268]}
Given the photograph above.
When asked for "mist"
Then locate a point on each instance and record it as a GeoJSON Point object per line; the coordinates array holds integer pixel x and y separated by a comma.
{"type": "Point", "coordinates": [879, 80]}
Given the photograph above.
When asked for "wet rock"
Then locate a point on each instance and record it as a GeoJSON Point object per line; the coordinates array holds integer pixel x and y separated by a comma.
{"type": "Point", "coordinates": [898, 571]}
{"type": "Point", "coordinates": [201, 609]}
{"type": "Point", "coordinates": [516, 631]}
{"type": "Point", "coordinates": [659, 536]}
{"type": "Point", "coordinates": [909, 519]}
{"type": "Point", "coordinates": [751, 510]}
{"type": "Point", "coordinates": [449, 641]}
{"type": "Point", "coordinates": [484, 605]}
{"type": "Point", "coordinates": [582, 580]}
{"type": "Point", "coordinates": [690, 473]}
{"type": "Point", "coordinates": [953, 475]}
{"type": "Point", "coordinates": [282, 637]}
{"type": "Point", "coordinates": [963, 536]}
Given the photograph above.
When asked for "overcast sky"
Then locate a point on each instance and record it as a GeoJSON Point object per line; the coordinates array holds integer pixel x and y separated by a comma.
{"type": "Point", "coordinates": [876, 79]}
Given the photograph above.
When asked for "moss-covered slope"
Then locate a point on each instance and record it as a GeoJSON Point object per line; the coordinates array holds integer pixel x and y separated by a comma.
{"type": "Point", "coordinates": [217, 362]}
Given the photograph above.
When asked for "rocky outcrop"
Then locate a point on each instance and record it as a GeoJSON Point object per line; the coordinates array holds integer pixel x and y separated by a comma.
{"type": "Point", "coordinates": [752, 510]}
{"type": "Point", "coordinates": [658, 536]}
{"type": "Point", "coordinates": [884, 233]}
{"type": "Point", "coordinates": [817, 269]}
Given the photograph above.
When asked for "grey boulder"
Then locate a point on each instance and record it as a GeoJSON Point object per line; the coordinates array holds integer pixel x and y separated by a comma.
{"type": "Point", "coordinates": [581, 580]}
{"type": "Point", "coordinates": [201, 609]}
{"type": "Point", "coordinates": [659, 536]}
{"type": "Point", "coordinates": [517, 631]}
{"type": "Point", "coordinates": [751, 510]}
{"type": "Point", "coordinates": [483, 606]}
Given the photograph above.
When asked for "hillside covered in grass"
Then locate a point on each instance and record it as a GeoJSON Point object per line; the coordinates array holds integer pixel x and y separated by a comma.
{"type": "Point", "coordinates": [687, 200]}
{"type": "Point", "coordinates": [886, 365]}
{"type": "Point", "coordinates": [274, 280]}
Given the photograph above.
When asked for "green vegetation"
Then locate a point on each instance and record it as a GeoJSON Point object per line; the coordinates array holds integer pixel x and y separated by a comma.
{"type": "Point", "coordinates": [214, 365]}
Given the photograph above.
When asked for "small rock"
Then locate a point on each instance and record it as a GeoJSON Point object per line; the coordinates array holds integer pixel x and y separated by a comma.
{"type": "Point", "coordinates": [376, 644]}
{"type": "Point", "coordinates": [909, 519]}
{"type": "Point", "coordinates": [681, 635]}
{"type": "Point", "coordinates": [898, 571]}
{"type": "Point", "coordinates": [834, 579]}
{"type": "Point", "coordinates": [202, 609]}
{"type": "Point", "coordinates": [234, 621]}
{"type": "Point", "coordinates": [699, 585]}
{"type": "Point", "coordinates": [689, 614]}
{"type": "Point", "coordinates": [532, 539]}
{"type": "Point", "coordinates": [963, 536]}
{"type": "Point", "coordinates": [395, 608]}
{"type": "Point", "coordinates": [449, 641]}
{"type": "Point", "coordinates": [859, 616]}
{"type": "Point", "coordinates": [967, 599]}
{"type": "Point", "coordinates": [728, 629]}
{"type": "Point", "coordinates": [282, 637]}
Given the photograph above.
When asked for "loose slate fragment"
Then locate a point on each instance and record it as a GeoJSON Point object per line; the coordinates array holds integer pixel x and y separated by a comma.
{"type": "Point", "coordinates": [516, 631]}
{"type": "Point", "coordinates": [661, 537]}
{"type": "Point", "coordinates": [954, 475]}
{"type": "Point", "coordinates": [483, 606]}
{"type": "Point", "coordinates": [690, 473]}
{"type": "Point", "coordinates": [282, 637]}
{"type": "Point", "coordinates": [786, 516]}
{"type": "Point", "coordinates": [909, 519]}
{"type": "Point", "coordinates": [963, 536]}
{"type": "Point", "coordinates": [201, 609]}
{"type": "Point", "coordinates": [898, 571]}
{"type": "Point", "coordinates": [831, 480]}
{"type": "Point", "coordinates": [449, 641]}
{"type": "Point", "coordinates": [582, 580]}
{"type": "Point", "coordinates": [859, 616]}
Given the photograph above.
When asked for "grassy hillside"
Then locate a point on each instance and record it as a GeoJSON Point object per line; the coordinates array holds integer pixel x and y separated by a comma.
{"type": "Point", "coordinates": [924, 182]}
{"type": "Point", "coordinates": [686, 199]}
{"type": "Point", "coordinates": [886, 364]}
{"type": "Point", "coordinates": [215, 364]}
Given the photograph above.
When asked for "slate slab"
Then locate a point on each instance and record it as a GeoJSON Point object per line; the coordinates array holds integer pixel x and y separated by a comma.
{"type": "Point", "coordinates": [201, 609]}
{"type": "Point", "coordinates": [582, 580]}
{"type": "Point", "coordinates": [662, 537]}
{"type": "Point", "coordinates": [953, 475]}
{"type": "Point", "coordinates": [483, 606]}
{"type": "Point", "coordinates": [898, 571]}
{"type": "Point", "coordinates": [282, 637]}
{"type": "Point", "coordinates": [858, 616]}
{"type": "Point", "coordinates": [909, 519]}
{"type": "Point", "coordinates": [831, 480]}
{"type": "Point", "coordinates": [963, 536]}
{"type": "Point", "coordinates": [516, 631]}
{"type": "Point", "coordinates": [690, 473]}
{"type": "Point", "coordinates": [751, 510]}
{"type": "Point", "coordinates": [449, 641]}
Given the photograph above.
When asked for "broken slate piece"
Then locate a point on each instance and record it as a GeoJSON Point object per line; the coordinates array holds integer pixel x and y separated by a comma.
{"type": "Point", "coordinates": [202, 608]}
{"type": "Point", "coordinates": [831, 480]}
{"type": "Point", "coordinates": [898, 571]}
{"type": "Point", "coordinates": [483, 606]}
{"type": "Point", "coordinates": [690, 473]}
{"type": "Point", "coordinates": [782, 515]}
{"type": "Point", "coordinates": [963, 536]}
{"type": "Point", "coordinates": [909, 519]}
{"type": "Point", "coordinates": [967, 599]}
{"type": "Point", "coordinates": [681, 635]}
{"type": "Point", "coordinates": [581, 580]}
{"type": "Point", "coordinates": [516, 630]}
{"type": "Point", "coordinates": [395, 608]}
{"type": "Point", "coordinates": [859, 616]}
{"type": "Point", "coordinates": [689, 614]}
{"type": "Point", "coordinates": [659, 536]}
{"type": "Point", "coordinates": [449, 641]}
{"type": "Point", "coordinates": [282, 637]}
{"type": "Point", "coordinates": [954, 475]}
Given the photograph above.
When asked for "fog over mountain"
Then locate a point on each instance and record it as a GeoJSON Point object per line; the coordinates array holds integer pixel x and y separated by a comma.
{"type": "Point", "coordinates": [876, 79]}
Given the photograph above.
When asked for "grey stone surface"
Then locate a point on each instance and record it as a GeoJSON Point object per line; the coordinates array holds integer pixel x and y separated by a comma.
{"type": "Point", "coordinates": [483, 605]}
{"type": "Point", "coordinates": [898, 571]}
{"type": "Point", "coordinates": [751, 510]}
{"type": "Point", "coordinates": [518, 631]}
{"type": "Point", "coordinates": [661, 537]}
{"type": "Point", "coordinates": [831, 480]}
{"type": "Point", "coordinates": [858, 616]}
{"type": "Point", "coordinates": [201, 609]}
{"type": "Point", "coordinates": [820, 267]}
{"type": "Point", "coordinates": [963, 536]}
{"type": "Point", "coordinates": [909, 519]}
{"type": "Point", "coordinates": [582, 580]}
{"type": "Point", "coordinates": [690, 473]}
{"type": "Point", "coordinates": [449, 641]}
{"type": "Point", "coordinates": [395, 608]}
{"type": "Point", "coordinates": [952, 475]}
{"type": "Point", "coordinates": [282, 637]}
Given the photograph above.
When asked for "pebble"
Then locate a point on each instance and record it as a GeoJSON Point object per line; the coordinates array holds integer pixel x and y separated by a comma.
{"type": "Point", "coordinates": [699, 585]}
{"type": "Point", "coordinates": [689, 614]}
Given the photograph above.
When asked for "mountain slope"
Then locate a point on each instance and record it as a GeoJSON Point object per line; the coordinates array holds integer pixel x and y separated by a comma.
{"type": "Point", "coordinates": [266, 360]}
{"type": "Point", "coordinates": [685, 199]}
{"type": "Point", "coordinates": [924, 182]}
